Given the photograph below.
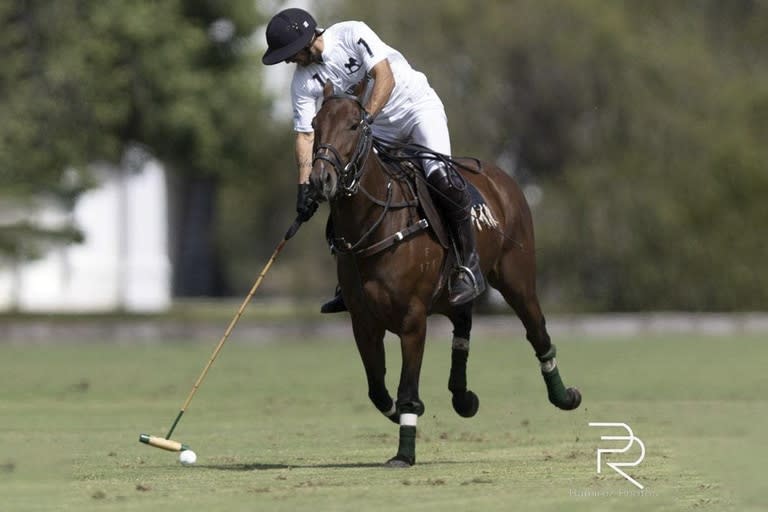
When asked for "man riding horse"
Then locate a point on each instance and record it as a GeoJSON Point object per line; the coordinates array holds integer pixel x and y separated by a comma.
{"type": "Point", "coordinates": [400, 107]}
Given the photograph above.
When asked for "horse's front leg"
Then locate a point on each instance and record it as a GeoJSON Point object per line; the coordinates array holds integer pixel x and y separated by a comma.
{"type": "Point", "coordinates": [369, 337]}
{"type": "Point", "coordinates": [409, 405]}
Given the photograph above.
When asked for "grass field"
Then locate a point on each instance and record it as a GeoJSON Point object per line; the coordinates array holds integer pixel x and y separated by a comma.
{"type": "Point", "coordinates": [286, 425]}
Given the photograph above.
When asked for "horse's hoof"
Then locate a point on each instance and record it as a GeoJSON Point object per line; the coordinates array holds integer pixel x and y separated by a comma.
{"type": "Point", "coordinates": [400, 461]}
{"type": "Point", "coordinates": [574, 400]}
{"type": "Point", "coordinates": [575, 397]}
{"type": "Point", "coordinates": [466, 404]}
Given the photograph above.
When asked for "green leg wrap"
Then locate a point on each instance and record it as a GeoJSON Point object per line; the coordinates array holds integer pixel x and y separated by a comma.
{"type": "Point", "coordinates": [406, 451]}
{"type": "Point", "coordinates": [556, 390]}
{"type": "Point", "coordinates": [558, 395]}
{"type": "Point", "coordinates": [457, 381]}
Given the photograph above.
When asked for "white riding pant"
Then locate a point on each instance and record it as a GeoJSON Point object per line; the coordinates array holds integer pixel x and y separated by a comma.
{"type": "Point", "coordinates": [425, 123]}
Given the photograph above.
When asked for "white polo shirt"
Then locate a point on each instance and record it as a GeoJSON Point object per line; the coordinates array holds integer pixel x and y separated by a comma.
{"type": "Point", "coordinates": [351, 50]}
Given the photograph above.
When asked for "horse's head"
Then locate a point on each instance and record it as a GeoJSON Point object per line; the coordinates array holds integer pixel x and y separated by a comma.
{"type": "Point", "coordinates": [342, 143]}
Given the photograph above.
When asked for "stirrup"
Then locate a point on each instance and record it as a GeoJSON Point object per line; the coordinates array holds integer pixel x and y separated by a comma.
{"type": "Point", "coordinates": [468, 271]}
{"type": "Point", "coordinates": [469, 291]}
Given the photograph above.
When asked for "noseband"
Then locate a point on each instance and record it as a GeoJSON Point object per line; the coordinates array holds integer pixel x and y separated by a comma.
{"type": "Point", "coordinates": [349, 173]}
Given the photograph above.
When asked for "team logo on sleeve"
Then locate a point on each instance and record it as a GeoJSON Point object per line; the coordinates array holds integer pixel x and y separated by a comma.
{"type": "Point", "coordinates": [353, 66]}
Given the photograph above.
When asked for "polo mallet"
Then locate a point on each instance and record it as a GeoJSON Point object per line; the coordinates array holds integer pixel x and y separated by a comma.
{"type": "Point", "coordinates": [166, 443]}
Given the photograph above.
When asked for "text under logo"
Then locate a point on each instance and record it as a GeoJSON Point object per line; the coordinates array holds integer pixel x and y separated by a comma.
{"type": "Point", "coordinates": [631, 439]}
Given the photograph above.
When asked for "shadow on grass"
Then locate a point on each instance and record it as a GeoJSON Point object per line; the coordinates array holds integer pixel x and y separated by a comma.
{"type": "Point", "coordinates": [267, 467]}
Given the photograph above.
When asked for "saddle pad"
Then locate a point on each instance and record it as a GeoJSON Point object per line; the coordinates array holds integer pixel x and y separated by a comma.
{"type": "Point", "coordinates": [427, 205]}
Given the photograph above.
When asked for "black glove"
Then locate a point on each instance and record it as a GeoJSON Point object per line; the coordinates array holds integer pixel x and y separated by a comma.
{"type": "Point", "coordinates": [306, 206]}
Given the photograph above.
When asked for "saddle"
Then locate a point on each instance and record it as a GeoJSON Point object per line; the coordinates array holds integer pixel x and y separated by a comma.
{"type": "Point", "coordinates": [405, 162]}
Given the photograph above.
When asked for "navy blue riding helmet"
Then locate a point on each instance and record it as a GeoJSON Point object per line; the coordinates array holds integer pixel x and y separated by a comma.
{"type": "Point", "coordinates": [288, 32]}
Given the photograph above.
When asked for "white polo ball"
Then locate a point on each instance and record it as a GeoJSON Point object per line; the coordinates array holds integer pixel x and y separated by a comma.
{"type": "Point", "coordinates": [187, 457]}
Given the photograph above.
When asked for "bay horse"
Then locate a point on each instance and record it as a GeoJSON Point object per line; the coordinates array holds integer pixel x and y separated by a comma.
{"type": "Point", "coordinates": [391, 268]}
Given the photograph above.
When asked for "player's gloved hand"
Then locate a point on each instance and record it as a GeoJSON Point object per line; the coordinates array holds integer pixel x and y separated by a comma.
{"type": "Point", "coordinates": [306, 206]}
{"type": "Point", "coordinates": [368, 117]}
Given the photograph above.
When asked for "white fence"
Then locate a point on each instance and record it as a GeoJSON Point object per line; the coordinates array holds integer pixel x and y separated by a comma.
{"type": "Point", "coordinates": [563, 328]}
{"type": "Point", "coordinates": [122, 265]}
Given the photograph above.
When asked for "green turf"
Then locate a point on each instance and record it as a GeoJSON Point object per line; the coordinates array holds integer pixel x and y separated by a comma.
{"type": "Point", "coordinates": [287, 425]}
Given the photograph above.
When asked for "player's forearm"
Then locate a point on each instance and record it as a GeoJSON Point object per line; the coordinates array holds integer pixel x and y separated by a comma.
{"type": "Point", "coordinates": [304, 144]}
{"type": "Point", "coordinates": [383, 85]}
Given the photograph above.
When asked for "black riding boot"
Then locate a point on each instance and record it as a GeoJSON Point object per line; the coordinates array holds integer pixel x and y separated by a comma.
{"type": "Point", "coordinates": [335, 305]}
{"type": "Point", "coordinates": [456, 204]}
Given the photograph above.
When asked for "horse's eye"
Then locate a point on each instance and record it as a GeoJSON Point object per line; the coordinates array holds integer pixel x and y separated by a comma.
{"type": "Point", "coordinates": [354, 127]}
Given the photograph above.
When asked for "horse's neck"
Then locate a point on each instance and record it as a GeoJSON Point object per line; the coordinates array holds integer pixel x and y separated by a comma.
{"type": "Point", "coordinates": [355, 215]}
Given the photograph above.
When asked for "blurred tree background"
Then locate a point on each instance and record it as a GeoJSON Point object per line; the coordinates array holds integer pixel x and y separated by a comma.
{"type": "Point", "coordinates": [636, 128]}
{"type": "Point", "coordinates": [639, 130]}
{"type": "Point", "coordinates": [85, 81]}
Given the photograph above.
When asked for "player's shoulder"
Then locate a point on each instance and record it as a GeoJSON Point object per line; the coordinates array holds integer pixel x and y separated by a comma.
{"type": "Point", "coordinates": [346, 29]}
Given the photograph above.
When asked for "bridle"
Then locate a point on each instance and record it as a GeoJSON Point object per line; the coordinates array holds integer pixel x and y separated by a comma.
{"type": "Point", "coordinates": [348, 174]}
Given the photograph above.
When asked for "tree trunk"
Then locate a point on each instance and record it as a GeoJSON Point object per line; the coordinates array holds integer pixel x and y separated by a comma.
{"type": "Point", "coordinates": [197, 270]}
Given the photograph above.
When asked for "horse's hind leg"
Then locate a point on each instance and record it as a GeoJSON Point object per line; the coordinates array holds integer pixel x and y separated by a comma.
{"type": "Point", "coordinates": [516, 282]}
{"type": "Point", "coordinates": [465, 402]}
{"type": "Point", "coordinates": [370, 343]}
{"type": "Point", "coordinates": [529, 311]}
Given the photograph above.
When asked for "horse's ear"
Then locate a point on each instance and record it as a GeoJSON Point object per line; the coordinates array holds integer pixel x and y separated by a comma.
{"type": "Point", "coordinates": [328, 89]}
